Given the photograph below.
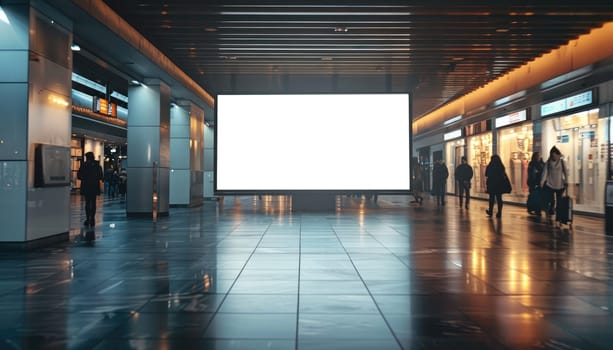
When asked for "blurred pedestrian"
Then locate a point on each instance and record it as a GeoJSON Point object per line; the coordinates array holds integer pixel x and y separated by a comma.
{"type": "Point", "coordinates": [418, 183]}
{"type": "Point", "coordinates": [535, 173]}
{"type": "Point", "coordinates": [554, 179]}
{"type": "Point", "coordinates": [90, 174]}
{"type": "Point", "coordinates": [497, 183]}
{"type": "Point", "coordinates": [463, 177]}
{"type": "Point", "coordinates": [439, 181]}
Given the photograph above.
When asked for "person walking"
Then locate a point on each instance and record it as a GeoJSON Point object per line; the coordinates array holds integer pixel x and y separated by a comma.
{"type": "Point", "coordinates": [90, 174]}
{"type": "Point", "coordinates": [535, 173]}
{"type": "Point", "coordinates": [418, 183]}
{"type": "Point", "coordinates": [463, 177]}
{"type": "Point", "coordinates": [497, 183]}
{"type": "Point", "coordinates": [123, 183]}
{"type": "Point", "coordinates": [439, 180]}
{"type": "Point", "coordinates": [108, 178]}
{"type": "Point", "coordinates": [554, 179]}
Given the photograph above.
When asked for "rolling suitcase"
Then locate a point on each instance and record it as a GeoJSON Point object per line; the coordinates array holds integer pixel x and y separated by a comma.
{"type": "Point", "coordinates": [564, 212]}
{"type": "Point", "coordinates": [535, 201]}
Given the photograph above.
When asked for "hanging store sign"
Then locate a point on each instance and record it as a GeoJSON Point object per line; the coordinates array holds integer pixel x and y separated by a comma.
{"type": "Point", "coordinates": [575, 101]}
{"type": "Point", "coordinates": [452, 135]}
{"type": "Point", "coordinates": [512, 118]}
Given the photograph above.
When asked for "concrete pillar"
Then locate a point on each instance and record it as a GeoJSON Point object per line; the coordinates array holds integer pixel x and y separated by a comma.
{"type": "Point", "coordinates": [35, 86]}
{"type": "Point", "coordinates": [187, 154]}
{"type": "Point", "coordinates": [148, 148]}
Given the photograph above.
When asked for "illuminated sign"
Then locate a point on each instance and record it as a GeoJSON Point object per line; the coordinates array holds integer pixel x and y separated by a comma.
{"type": "Point", "coordinates": [512, 118]}
{"type": "Point", "coordinates": [564, 104]}
{"type": "Point", "coordinates": [452, 120]}
{"type": "Point", "coordinates": [101, 105]}
{"type": "Point", "coordinates": [452, 135]}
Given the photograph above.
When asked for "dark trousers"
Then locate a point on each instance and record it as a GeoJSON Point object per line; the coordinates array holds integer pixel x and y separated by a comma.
{"type": "Point", "coordinates": [498, 198]}
{"type": "Point", "coordinates": [90, 207]}
{"type": "Point", "coordinates": [553, 198]}
{"type": "Point", "coordinates": [440, 195]}
{"type": "Point", "coordinates": [464, 193]}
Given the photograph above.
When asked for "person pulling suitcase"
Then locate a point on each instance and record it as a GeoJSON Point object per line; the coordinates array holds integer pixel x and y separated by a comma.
{"type": "Point", "coordinates": [554, 180]}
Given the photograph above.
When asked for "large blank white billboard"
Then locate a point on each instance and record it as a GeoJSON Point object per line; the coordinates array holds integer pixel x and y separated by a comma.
{"type": "Point", "coordinates": [332, 142]}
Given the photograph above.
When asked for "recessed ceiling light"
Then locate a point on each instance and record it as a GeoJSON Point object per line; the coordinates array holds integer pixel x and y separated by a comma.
{"type": "Point", "coordinates": [502, 30]}
{"type": "Point", "coordinates": [341, 29]}
{"type": "Point", "coordinates": [75, 47]}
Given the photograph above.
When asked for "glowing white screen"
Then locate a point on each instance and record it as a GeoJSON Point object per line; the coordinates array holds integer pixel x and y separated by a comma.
{"type": "Point", "coordinates": [313, 142]}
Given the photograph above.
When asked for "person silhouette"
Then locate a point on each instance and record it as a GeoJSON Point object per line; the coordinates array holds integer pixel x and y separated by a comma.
{"type": "Point", "coordinates": [90, 174]}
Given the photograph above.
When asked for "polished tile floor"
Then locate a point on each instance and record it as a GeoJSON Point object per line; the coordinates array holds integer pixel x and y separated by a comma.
{"type": "Point", "coordinates": [248, 273]}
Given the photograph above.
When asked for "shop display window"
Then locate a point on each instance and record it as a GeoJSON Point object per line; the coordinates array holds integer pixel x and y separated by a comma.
{"type": "Point", "coordinates": [76, 155]}
{"type": "Point", "coordinates": [515, 150]}
{"type": "Point", "coordinates": [582, 138]}
{"type": "Point", "coordinates": [454, 150]}
{"type": "Point", "coordinates": [479, 151]}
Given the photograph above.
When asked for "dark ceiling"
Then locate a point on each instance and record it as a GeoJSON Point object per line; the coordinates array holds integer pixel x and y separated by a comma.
{"type": "Point", "coordinates": [436, 49]}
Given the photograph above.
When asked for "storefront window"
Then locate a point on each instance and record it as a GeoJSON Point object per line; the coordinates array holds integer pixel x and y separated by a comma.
{"type": "Point", "coordinates": [515, 150]}
{"type": "Point", "coordinates": [479, 151]}
{"type": "Point", "coordinates": [76, 156]}
{"type": "Point", "coordinates": [580, 137]}
{"type": "Point", "coordinates": [454, 150]}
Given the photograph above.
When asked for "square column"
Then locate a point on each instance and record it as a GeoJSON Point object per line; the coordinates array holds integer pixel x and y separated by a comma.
{"type": "Point", "coordinates": [148, 148]}
{"type": "Point", "coordinates": [35, 90]}
{"type": "Point", "coordinates": [187, 154]}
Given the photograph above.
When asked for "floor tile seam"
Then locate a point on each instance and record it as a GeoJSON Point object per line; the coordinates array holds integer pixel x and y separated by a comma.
{"type": "Point", "coordinates": [93, 287]}
{"type": "Point", "coordinates": [388, 325]}
{"type": "Point", "coordinates": [573, 332]}
{"type": "Point", "coordinates": [485, 332]}
{"type": "Point", "coordinates": [534, 311]}
{"type": "Point", "coordinates": [225, 295]}
{"type": "Point", "coordinates": [387, 249]}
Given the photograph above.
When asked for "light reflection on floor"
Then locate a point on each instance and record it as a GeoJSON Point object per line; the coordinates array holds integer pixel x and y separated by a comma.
{"type": "Point", "coordinates": [248, 273]}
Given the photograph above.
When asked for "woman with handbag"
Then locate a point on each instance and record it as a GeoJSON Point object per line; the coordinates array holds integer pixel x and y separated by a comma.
{"type": "Point", "coordinates": [497, 183]}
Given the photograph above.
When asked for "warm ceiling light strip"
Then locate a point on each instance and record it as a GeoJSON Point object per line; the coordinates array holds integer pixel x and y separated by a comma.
{"type": "Point", "coordinates": [583, 51]}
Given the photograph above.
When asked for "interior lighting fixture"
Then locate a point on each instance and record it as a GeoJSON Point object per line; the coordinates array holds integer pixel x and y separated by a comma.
{"type": "Point", "coordinates": [75, 47]}
{"type": "Point", "coordinates": [3, 17]}
{"type": "Point", "coordinates": [58, 101]}
{"type": "Point", "coordinates": [452, 120]}
{"type": "Point", "coordinates": [135, 82]}
{"type": "Point", "coordinates": [340, 29]}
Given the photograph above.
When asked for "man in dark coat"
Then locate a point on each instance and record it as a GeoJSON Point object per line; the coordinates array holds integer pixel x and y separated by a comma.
{"type": "Point", "coordinates": [463, 176]}
{"type": "Point", "coordinates": [439, 180]}
{"type": "Point", "coordinates": [90, 174]}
